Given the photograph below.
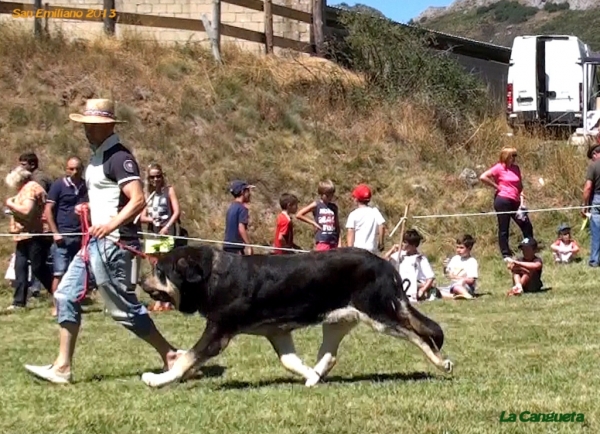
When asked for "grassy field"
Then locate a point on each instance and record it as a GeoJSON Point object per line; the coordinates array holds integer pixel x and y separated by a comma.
{"type": "Point", "coordinates": [536, 353]}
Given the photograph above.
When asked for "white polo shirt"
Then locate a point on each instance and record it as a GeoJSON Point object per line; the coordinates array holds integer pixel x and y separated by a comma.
{"type": "Point", "coordinates": [111, 167]}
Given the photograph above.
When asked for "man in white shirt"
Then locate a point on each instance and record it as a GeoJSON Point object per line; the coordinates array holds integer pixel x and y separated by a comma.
{"type": "Point", "coordinates": [365, 225]}
{"type": "Point", "coordinates": [412, 266]}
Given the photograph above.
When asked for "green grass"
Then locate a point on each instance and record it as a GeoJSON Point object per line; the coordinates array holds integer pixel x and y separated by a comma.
{"type": "Point", "coordinates": [536, 353]}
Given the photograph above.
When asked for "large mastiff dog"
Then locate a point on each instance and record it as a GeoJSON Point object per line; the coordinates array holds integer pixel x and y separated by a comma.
{"type": "Point", "coordinates": [272, 295]}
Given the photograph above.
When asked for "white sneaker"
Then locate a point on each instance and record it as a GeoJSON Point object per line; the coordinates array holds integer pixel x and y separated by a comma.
{"type": "Point", "coordinates": [47, 373]}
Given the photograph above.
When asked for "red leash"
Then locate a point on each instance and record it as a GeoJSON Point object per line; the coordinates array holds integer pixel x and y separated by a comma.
{"type": "Point", "coordinates": [84, 218]}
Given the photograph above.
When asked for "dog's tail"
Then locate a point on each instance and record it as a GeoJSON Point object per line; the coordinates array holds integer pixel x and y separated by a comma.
{"type": "Point", "coordinates": [410, 318]}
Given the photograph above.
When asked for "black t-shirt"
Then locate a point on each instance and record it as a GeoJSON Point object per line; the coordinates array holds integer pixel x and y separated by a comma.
{"type": "Point", "coordinates": [593, 175]}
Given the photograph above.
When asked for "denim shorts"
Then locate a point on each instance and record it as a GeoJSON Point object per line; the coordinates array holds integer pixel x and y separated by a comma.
{"type": "Point", "coordinates": [63, 253]}
{"type": "Point", "coordinates": [115, 272]}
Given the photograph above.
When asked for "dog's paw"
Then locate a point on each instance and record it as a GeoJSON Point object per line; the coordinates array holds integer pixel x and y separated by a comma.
{"type": "Point", "coordinates": [154, 380]}
{"type": "Point", "coordinates": [448, 366]}
{"type": "Point", "coordinates": [313, 380]}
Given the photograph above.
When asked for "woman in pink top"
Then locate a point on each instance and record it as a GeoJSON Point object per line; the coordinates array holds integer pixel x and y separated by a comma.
{"type": "Point", "coordinates": [505, 178]}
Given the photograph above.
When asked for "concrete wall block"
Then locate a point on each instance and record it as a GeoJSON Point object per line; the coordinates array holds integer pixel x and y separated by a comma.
{"type": "Point", "coordinates": [228, 17]}
{"type": "Point", "coordinates": [144, 9]}
{"type": "Point", "coordinates": [159, 9]}
{"type": "Point", "coordinates": [243, 18]}
{"type": "Point", "coordinates": [258, 17]}
{"type": "Point", "coordinates": [174, 9]}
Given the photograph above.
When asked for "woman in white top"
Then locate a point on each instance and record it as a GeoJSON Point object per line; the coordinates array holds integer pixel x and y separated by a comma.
{"type": "Point", "coordinates": [162, 210]}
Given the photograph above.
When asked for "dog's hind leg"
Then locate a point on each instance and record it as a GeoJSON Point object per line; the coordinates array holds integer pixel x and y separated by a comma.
{"type": "Point", "coordinates": [212, 342]}
{"type": "Point", "coordinates": [283, 344]}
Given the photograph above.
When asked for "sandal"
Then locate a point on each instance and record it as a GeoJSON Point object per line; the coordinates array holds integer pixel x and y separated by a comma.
{"type": "Point", "coordinates": [515, 291]}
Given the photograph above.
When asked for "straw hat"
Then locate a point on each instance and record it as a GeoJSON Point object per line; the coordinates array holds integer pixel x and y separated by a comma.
{"type": "Point", "coordinates": [97, 111]}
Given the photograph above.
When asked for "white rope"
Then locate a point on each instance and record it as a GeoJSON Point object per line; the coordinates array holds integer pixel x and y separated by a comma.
{"type": "Point", "coordinates": [494, 213]}
{"type": "Point", "coordinates": [225, 242]}
{"type": "Point", "coordinates": [258, 246]}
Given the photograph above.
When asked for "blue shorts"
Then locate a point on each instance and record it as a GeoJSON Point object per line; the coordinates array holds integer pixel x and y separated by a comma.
{"type": "Point", "coordinates": [63, 253]}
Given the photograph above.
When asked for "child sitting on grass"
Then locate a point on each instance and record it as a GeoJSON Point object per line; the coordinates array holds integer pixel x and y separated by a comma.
{"type": "Point", "coordinates": [527, 270]}
{"type": "Point", "coordinates": [564, 249]}
{"type": "Point", "coordinates": [463, 271]}
{"type": "Point", "coordinates": [412, 265]}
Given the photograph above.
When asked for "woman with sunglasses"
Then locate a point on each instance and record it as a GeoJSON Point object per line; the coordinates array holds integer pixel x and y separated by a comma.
{"type": "Point", "coordinates": [505, 178]}
{"type": "Point", "coordinates": [162, 211]}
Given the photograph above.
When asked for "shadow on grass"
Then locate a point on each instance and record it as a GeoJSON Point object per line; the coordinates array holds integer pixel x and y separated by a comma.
{"type": "Point", "coordinates": [211, 371]}
{"type": "Point", "coordinates": [374, 378]}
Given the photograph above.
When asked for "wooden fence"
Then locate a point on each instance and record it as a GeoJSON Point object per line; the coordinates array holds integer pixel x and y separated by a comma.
{"type": "Point", "coordinates": [213, 27]}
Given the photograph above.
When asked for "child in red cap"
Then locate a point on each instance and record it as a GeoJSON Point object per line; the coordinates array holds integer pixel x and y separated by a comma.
{"type": "Point", "coordinates": [365, 225]}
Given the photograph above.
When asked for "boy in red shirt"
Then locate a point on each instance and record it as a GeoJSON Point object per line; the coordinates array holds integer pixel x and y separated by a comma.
{"type": "Point", "coordinates": [284, 230]}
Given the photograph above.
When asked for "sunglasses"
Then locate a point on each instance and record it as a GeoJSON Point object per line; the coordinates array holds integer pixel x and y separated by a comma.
{"type": "Point", "coordinates": [155, 177]}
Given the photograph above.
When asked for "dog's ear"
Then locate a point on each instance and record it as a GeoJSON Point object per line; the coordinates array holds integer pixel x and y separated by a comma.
{"type": "Point", "coordinates": [190, 270]}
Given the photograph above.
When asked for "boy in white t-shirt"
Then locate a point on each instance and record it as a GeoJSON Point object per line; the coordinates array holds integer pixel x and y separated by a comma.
{"type": "Point", "coordinates": [462, 269]}
{"type": "Point", "coordinates": [365, 225]}
{"type": "Point", "coordinates": [413, 266]}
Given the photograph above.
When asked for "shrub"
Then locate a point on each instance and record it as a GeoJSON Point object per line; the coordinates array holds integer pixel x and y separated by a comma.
{"type": "Point", "coordinates": [398, 63]}
{"type": "Point", "coordinates": [552, 7]}
{"type": "Point", "coordinates": [509, 11]}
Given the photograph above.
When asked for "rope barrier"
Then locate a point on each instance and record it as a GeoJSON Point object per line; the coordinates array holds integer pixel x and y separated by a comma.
{"type": "Point", "coordinates": [226, 242]}
{"type": "Point", "coordinates": [259, 246]}
{"type": "Point", "coordinates": [493, 213]}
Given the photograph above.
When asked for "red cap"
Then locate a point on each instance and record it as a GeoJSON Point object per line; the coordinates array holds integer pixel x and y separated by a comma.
{"type": "Point", "coordinates": [361, 192]}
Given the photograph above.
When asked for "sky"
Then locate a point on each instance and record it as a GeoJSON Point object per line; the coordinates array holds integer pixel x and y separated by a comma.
{"type": "Point", "coordinates": [397, 10]}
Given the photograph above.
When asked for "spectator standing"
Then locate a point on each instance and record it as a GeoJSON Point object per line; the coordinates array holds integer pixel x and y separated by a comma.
{"type": "Point", "coordinates": [365, 225]}
{"type": "Point", "coordinates": [237, 219]}
{"type": "Point", "coordinates": [27, 209]}
{"type": "Point", "coordinates": [591, 199]}
{"type": "Point", "coordinates": [505, 178]}
{"type": "Point", "coordinates": [284, 227]}
{"type": "Point", "coordinates": [161, 212]}
{"type": "Point", "coordinates": [325, 218]}
{"type": "Point", "coordinates": [65, 194]}
{"type": "Point", "coordinates": [30, 162]}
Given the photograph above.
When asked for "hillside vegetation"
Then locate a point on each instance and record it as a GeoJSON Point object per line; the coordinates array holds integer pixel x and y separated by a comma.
{"type": "Point", "coordinates": [283, 124]}
{"type": "Point", "coordinates": [502, 21]}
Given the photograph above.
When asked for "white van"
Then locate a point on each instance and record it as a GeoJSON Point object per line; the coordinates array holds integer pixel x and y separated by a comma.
{"type": "Point", "coordinates": [545, 81]}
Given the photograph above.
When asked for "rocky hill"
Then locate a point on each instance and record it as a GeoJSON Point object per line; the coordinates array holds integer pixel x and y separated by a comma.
{"type": "Point", "coordinates": [500, 21]}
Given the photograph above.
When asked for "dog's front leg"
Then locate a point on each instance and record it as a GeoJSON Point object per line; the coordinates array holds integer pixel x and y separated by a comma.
{"type": "Point", "coordinates": [211, 343]}
{"type": "Point", "coordinates": [283, 344]}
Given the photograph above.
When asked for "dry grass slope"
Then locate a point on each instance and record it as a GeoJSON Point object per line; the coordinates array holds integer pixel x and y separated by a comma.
{"type": "Point", "coordinates": [282, 124]}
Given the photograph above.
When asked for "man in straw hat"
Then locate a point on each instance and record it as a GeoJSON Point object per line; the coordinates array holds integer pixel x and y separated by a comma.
{"type": "Point", "coordinates": [116, 197]}
{"type": "Point", "coordinates": [591, 197]}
